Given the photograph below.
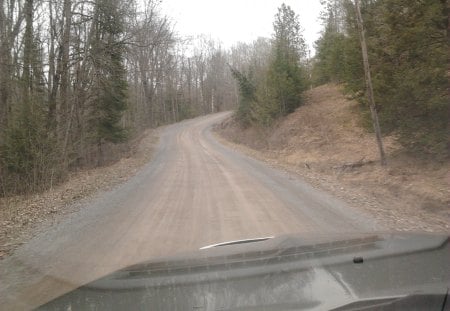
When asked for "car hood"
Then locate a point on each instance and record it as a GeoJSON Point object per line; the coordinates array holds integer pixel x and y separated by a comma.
{"type": "Point", "coordinates": [289, 272]}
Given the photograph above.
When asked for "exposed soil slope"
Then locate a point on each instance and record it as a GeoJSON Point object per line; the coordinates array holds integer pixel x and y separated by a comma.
{"type": "Point", "coordinates": [324, 142]}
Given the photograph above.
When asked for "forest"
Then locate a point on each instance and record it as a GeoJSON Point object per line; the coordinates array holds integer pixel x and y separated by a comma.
{"type": "Point", "coordinates": [81, 78]}
{"type": "Point", "coordinates": [408, 49]}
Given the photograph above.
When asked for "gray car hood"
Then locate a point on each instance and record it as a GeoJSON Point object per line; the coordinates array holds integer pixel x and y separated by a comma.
{"type": "Point", "coordinates": [291, 272]}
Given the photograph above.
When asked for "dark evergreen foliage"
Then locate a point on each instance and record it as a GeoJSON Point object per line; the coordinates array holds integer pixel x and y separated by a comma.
{"type": "Point", "coordinates": [278, 89]}
{"type": "Point", "coordinates": [408, 52]}
{"type": "Point", "coordinates": [107, 52]}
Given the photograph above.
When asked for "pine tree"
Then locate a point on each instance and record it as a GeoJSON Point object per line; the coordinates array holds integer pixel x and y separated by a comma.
{"type": "Point", "coordinates": [408, 49]}
{"type": "Point", "coordinates": [278, 83]}
{"type": "Point", "coordinates": [411, 53]}
{"type": "Point", "coordinates": [247, 97]}
{"type": "Point", "coordinates": [110, 75]}
{"type": "Point", "coordinates": [286, 80]}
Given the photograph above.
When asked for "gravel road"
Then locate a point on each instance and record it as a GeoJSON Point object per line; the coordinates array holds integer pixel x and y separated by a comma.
{"type": "Point", "coordinates": [194, 192]}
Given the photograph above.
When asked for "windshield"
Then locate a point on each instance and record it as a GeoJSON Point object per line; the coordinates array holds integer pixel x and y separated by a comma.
{"type": "Point", "coordinates": [132, 131]}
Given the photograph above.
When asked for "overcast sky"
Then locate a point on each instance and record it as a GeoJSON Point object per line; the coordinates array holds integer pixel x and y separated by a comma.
{"type": "Point", "coordinates": [231, 21]}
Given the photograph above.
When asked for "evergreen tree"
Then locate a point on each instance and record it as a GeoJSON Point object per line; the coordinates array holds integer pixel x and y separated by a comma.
{"type": "Point", "coordinates": [408, 49]}
{"type": "Point", "coordinates": [338, 46]}
{"type": "Point", "coordinates": [276, 87]}
{"type": "Point", "coordinates": [286, 80]}
{"type": "Point", "coordinates": [110, 75]}
{"type": "Point", "coordinates": [247, 97]}
{"type": "Point", "coordinates": [330, 58]}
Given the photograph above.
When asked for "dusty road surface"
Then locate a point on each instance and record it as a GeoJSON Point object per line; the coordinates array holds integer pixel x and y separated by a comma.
{"type": "Point", "coordinates": [195, 192]}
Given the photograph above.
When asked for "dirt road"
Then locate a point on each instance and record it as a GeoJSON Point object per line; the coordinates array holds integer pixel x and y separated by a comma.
{"type": "Point", "coordinates": [195, 192]}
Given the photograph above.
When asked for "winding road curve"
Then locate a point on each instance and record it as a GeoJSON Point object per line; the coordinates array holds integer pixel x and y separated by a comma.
{"type": "Point", "coordinates": [194, 192]}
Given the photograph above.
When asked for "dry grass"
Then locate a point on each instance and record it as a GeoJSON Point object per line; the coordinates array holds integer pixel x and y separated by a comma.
{"type": "Point", "coordinates": [319, 138]}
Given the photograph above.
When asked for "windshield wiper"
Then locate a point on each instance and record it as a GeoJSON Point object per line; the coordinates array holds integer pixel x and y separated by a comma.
{"type": "Point", "coordinates": [237, 242]}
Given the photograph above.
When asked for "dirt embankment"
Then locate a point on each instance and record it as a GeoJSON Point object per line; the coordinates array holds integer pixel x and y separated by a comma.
{"type": "Point", "coordinates": [20, 215]}
{"type": "Point", "coordinates": [325, 143]}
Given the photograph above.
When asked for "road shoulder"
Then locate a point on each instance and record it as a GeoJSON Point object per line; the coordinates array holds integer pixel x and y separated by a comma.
{"type": "Point", "coordinates": [23, 215]}
{"type": "Point", "coordinates": [321, 142]}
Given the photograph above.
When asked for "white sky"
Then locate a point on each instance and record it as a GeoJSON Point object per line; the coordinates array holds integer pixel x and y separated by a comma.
{"type": "Point", "coordinates": [231, 21]}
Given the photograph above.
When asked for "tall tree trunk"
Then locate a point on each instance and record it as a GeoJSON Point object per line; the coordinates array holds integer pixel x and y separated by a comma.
{"type": "Point", "coordinates": [368, 78]}
{"type": "Point", "coordinates": [448, 68]}
{"type": "Point", "coordinates": [65, 54]}
{"type": "Point", "coordinates": [28, 45]}
{"type": "Point", "coordinates": [5, 59]}
{"type": "Point", "coordinates": [51, 71]}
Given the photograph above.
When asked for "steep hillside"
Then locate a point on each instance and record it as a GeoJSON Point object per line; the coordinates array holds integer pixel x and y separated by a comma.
{"type": "Point", "coordinates": [325, 142]}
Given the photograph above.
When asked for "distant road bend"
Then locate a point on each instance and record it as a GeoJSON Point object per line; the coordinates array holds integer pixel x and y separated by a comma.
{"type": "Point", "coordinates": [195, 192]}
